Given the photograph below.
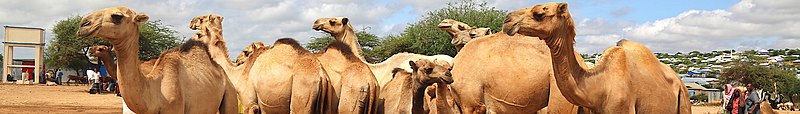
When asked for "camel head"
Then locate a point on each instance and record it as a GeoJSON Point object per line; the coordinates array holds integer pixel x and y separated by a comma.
{"type": "Point", "coordinates": [546, 21]}
{"type": "Point", "coordinates": [333, 26]}
{"type": "Point", "coordinates": [429, 72]}
{"type": "Point", "coordinates": [212, 20]}
{"type": "Point", "coordinates": [246, 53]}
{"type": "Point", "coordinates": [112, 24]}
{"type": "Point", "coordinates": [100, 50]}
{"type": "Point", "coordinates": [452, 26]}
{"type": "Point", "coordinates": [463, 37]}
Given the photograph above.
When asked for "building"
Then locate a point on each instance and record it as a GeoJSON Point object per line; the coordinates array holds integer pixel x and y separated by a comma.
{"type": "Point", "coordinates": [697, 89]}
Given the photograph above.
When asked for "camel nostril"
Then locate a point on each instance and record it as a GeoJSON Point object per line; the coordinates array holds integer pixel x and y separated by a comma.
{"type": "Point", "coordinates": [86, 23]}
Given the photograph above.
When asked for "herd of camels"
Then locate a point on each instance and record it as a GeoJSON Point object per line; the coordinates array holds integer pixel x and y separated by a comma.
{"type": "Point", "coordinates": [530, 66]}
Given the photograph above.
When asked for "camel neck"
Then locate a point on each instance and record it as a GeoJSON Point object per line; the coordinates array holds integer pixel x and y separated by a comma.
{"type": "Point", "coordinates": [349, 38]}
{"type": "Point", "coordinates": [413, 94]}
{"type": "Point", "coordinates": [219, 53]}
{"type": "Point", "coordinates": [111, 67]}
{"type": "Point", "coordinates": [131, 81]}
{"type": "Point", "coordinates": [568, 72]}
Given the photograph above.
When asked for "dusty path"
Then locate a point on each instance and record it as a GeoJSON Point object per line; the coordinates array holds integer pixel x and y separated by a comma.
{"type": "Point", "coordinates": [55, 99]}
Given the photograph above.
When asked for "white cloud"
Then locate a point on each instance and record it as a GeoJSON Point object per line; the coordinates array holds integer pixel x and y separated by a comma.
{"type": "Point", "coordinates": [773, 25]}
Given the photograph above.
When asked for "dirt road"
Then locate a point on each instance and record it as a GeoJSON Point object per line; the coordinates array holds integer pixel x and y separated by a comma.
{"type": "Point", "coordinates": [55, 99]}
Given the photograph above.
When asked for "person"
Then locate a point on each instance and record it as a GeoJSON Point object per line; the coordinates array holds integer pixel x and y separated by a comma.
{"type": "Point", "coordinates": [24, 75]}
{"type": "Point", "coordinates": [753, 101]}
{"type": "Point", "coordinates": [93, 77]}
{"type": "Point", "coordinates": [733, 105]}
{"type": "Point", "coordinates": [58, 76]}
{"type": "Point", "coordinates": [727, 98]}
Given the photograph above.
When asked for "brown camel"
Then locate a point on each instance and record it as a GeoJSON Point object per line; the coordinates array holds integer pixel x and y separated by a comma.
{"type": "Point", "coordinates": [104, 54]}
{"type": "Point", "coordinates": [383, 71]}
{"type": "Point", "coordinates": [350, 76]}
{"type": "Point", "coordinates": [405, 93]}
{"type": "Point", "coordinates": [181, 80]}
{"type": "Point", "coordinates": [629, 77]}
{"type": "Point", "coordinates": [461, 32]}
{"type": "Point", "coordinates": [248, 51]}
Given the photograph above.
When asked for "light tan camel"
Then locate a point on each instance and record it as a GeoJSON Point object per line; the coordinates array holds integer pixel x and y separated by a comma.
{"type": "Point", "coordinates": [461, 32]}
{"type": "Point", "coordinates": [342, 60]}
{"type": "Point", "coordinates": [629, 78]}
{"type": "Point", "coordinates": [210, 32]}
{"type": "Point", "coordinates": [512, 75]}
{"type": "Point", "coordinates": [405, 93]}
{"type": "Point", "coordinates": [181, 80]}
{"type": "Point", "coordinates": [248, 51]}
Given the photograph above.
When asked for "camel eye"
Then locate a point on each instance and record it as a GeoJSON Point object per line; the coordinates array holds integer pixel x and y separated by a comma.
{"type": "Point", "coordinates": [116, 18]}
{"type": "Point", "coordinates": [545, 8]}
{"type": "Point", "coordinates": [428, 70]}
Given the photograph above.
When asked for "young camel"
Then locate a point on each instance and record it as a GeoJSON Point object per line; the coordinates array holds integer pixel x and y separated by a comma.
{"type": "Point", "coordinates": [629, 77]}
{"type": "Point", "coordinates": [248, 51]}
{"type": "Point", "coordinates": [405, 93]}
{"type": "Point", "coordinates": [182, 80]}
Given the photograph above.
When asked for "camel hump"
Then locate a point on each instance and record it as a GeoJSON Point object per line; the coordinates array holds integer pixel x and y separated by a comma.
{"type": "Point", "coordinates": [622, 42]}
{"type": "Point", "coordinates": [185, 47]}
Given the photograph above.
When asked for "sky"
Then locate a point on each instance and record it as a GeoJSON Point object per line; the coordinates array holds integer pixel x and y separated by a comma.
{"type": "Point", "coordinates": [663, 26]}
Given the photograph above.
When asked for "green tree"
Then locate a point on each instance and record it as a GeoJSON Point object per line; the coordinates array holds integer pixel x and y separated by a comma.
{"type": "Point", "coordinates": [423, 37]}
{"type": "Point", "coordinates": [369, 42]}
{"type": "Point", "coordinates": [68, 51]}
{"type": "Point", "coordinates": [762, 77]}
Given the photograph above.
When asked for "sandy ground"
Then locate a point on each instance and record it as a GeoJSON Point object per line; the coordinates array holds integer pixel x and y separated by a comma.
{"type": "Point", "coordinates": [41, 99]}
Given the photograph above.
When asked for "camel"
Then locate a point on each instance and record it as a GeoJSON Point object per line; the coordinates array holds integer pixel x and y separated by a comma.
{"type": "Point", "coordinates": [181, 80]}
{"type": "Point", "coordinates": [628, 79]}
{"type": "Point", "coordinates": [350, 76]}
{"type": "Point", "coordinates": [461, 32]}
{"type": "Point", "coordinates": [104, 54]}
{"type": "Point", "coordinates": [405, 93]}
{"type": "Point", "coordinates": [383, 71]}
{"type": "Point", "coordinates": [248, 51]}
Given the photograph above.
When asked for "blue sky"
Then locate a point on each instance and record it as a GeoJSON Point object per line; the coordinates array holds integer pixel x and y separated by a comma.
{"type": "Point", "coordinates": [664, 26]}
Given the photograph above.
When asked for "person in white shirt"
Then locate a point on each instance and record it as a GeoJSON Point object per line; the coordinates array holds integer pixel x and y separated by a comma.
{"type": "Point", "coordinates": [93, 77]}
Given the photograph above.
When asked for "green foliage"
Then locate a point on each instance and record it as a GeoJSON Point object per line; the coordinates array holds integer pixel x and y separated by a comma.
{"type": "Point", "coordinates": [423, 37]}
{"type": "Point", "coordinates": [68, 51]}
{"type": "Point", "coordinates": [762, 77]}
{"type": "Point", "coordinates": [369, 42]}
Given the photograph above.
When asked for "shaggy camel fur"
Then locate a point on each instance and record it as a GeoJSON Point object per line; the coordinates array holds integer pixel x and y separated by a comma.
{"type": "Point", "coordinates": [248, 51]}
{"type": "Point", "coordinates": [461, 32]}
{"type": "Point", "coordinates": [628, 76]}
{"type": "Point", "coordinates": [210, 32]}
{"type": "Point", "coordinates": [405, 93]}
{"type": "Point", "coordinates": [182, 80]}
{"type": "Point", "coordinates": [355, 84]}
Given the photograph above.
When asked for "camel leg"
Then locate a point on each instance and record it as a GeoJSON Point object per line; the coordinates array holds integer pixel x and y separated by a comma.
{"type": "Point", "coordinates": [305, 91]}
{"type": "Point", "coordinates": [353, 99]}
{"type": "Point", "coordinates": [229, 101]}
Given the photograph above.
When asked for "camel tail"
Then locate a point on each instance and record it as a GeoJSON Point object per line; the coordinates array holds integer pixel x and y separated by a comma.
{"type": "Point", "coordinates": [230, 102]}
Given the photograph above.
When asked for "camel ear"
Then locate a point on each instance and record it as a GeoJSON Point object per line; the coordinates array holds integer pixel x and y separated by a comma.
{"type": "Point", "coordinates": [413, 65]}
{"type": "Point", "coordinates": [512, 30]}
{"type": "Point", "coordinates": [562, 8]}
{"type": "Point", "coordinates": [141, 19]}
{"type": "Point", "coordinates": [345, 20]}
